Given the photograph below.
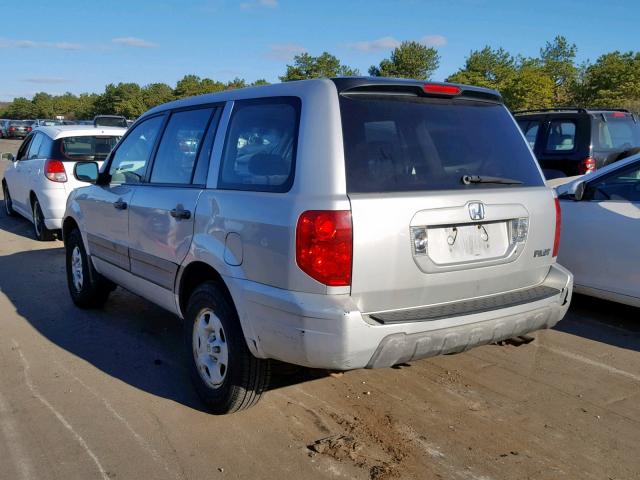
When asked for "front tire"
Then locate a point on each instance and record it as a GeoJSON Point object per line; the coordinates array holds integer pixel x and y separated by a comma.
{"type": "Point", "coordinates": [8, 203]}
{"type": "Point", "coordinates": [227, 377]}
{"type": "Point", "coordinates": [41, 231]}
{"type": "Point", "coordinates": [87, 287]}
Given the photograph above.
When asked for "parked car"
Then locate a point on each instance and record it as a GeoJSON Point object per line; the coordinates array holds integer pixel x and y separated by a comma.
{"type": "Point", "coordinates": [18, 128]}
{"type": "Point", "coordinates": [3, 127]}
{"type": "Point", "coordinates": [40, 178]}
{"type": "Point", "coordinates": [43, 122]}
{"type": "Point", "coordinates": [110, 121]}
{"type": "Point", "coordinates": [600, 231]}
{"type": "Point", "coordinates": [575, 141]}
{"type": "Point", "coordinates": [337, 224]}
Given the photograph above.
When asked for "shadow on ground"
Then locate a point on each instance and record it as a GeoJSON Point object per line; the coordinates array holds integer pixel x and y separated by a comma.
{"type": "Point", "coordinates": [130, 339]}
{"type": "Point", "coordinates": [603, 321]}
{"type": "Point", "coordinates": [17, 225]}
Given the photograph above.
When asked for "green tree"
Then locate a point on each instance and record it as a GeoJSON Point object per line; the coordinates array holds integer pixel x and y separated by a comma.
{"type": "Point", "coordinates": [324, 66]}
{"type": "Point", "coordinates": [20, 108]}
{"type": "Point", "coordinates": [487, 68]}
{"type": "Point", "coordinates": [87, 106]}
{"type": "Point", "coordinates": [558, 62]}
{"type": "Point", "coordinates": [409, 60]}
{"type": "Point", "coordinates": [191, 85]}
{"type": "Point", "coordinates": [122, 99]}
{"type": "Point", "coordinates": [157, 94]}
{"type": "Point", "coordinates": [531, 87]}
{"type": "Point", "coordinates": [613, 81]}
{"type": "Point", "coordinates": [236, 83]}
{"type": "Point", "coordinates": [259, 82]}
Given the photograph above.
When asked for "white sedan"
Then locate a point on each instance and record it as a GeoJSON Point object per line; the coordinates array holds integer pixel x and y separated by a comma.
{"type": "Point", "coordinates": [41, 176]}
{"type": "Point", "coordinates": [600, 240]}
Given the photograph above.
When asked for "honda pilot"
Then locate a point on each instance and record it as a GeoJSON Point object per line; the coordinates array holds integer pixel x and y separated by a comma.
{"type": "Point", "coordinates": [330, 223]}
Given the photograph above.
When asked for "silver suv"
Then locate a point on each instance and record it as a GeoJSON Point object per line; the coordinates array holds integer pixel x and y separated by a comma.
{"type": "Point", "coordinates": [338, 224]}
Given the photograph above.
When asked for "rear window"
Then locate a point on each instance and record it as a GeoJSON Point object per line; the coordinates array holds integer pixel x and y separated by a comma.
{"type": "Point", "coordinates": [19, 123]}
{"type": "Point", "coordinates": [619, 132]}
{"type": "Point", "coordinates": [85, 147]}
{"type": "Point", "coordinates": [411, 144]}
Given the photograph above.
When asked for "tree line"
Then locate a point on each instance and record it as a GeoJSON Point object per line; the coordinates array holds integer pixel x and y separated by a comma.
{"type": "Point", "coordinates": [552, 79]}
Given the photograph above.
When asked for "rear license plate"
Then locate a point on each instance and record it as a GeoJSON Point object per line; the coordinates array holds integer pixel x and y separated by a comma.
{"type": "Point", "coordinates": [465, 243]}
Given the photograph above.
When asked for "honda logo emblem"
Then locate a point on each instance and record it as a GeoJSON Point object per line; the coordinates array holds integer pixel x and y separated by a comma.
{"type": "Point", "coordinates": [476, 210]}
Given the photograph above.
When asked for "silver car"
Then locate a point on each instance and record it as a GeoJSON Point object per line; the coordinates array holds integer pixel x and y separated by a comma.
{"type": "Point", "coordinates": [332, 223]}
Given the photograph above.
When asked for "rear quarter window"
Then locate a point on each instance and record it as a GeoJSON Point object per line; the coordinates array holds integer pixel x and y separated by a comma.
{"type": "Point", "coordinates": [395, 144]}
{"type": "Point", "coordinates": [260, 147]}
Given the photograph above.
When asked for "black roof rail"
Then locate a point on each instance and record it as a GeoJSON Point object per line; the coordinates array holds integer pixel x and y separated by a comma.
{"type": "Point", "coordinates": [558, 109]}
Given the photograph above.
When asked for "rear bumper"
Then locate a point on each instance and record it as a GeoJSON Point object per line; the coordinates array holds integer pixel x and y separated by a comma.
{"type": "Point", "coordinates": [328, 331]}
{"type": "Point", "coordinates": [53, 203]}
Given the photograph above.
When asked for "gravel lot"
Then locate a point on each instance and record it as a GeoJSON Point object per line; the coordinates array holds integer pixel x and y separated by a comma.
{"type": "Point", "coordinates": [103, 395]}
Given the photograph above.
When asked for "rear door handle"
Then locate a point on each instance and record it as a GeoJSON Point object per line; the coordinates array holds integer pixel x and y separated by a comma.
{"type": "Point", "coordinates": [180, 213]}
{"type": "Point", "coordinates": [120, 205]}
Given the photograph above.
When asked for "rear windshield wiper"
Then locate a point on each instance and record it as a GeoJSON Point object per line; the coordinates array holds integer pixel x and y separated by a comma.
{"type": "Point", "coordinates": [469, 179]}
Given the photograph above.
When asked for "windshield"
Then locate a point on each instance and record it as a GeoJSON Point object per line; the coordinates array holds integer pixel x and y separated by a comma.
{"type": "Point", "coordinates": [620, 131]}
{"type": "Point", "coordinates": [86, 147]}
{"type": "Point", "coordinates": [395, 144]}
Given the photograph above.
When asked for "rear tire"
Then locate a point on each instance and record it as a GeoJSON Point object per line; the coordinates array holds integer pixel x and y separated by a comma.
{"type": "Point", "coordinates": [8, 203]}
{"type": "Point", "coordinates": [227, 377]}
{"type": "Point", "coordinates": [87, 287]}
{"type": "Point", "coordinates": [41, 231]}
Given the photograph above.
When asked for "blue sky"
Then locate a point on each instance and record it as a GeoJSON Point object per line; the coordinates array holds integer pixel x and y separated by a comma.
{"type": "Point", "coordinates": [81, 45]}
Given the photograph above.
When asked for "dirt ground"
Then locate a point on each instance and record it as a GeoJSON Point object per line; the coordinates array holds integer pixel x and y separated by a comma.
{"type": "Point", "coordinates": [104, 395]}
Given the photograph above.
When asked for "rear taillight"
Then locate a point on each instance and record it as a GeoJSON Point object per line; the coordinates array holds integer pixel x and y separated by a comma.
{"type": "Point", "coordinates": [556, 238]}
{"type": "Point", "coordinates": [324, 246]}
{"type": "Point", "coordinates": [11, 129]}
{"type": "Point", "coordinates": [29, 129]}
{"type": "Point", "coordinates": [54, 171]}
{"type": "Point", "coordinates": [587, 165]}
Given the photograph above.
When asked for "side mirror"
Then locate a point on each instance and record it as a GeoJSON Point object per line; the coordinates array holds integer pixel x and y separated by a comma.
{"type": "Point", "coordinates": [8, 156]}
{"type": "Point", "coordinates": [578, 192]}
{"type": "Point", "coordinates": [86, 171]}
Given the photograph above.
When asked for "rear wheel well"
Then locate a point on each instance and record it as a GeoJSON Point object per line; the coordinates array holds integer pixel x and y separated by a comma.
{"type": "Point", "coordinates": [68, 226]}
{"type": "Point", "coordinates": [195, 274]}
{"type": "Point", "coordinates": [32, 198]}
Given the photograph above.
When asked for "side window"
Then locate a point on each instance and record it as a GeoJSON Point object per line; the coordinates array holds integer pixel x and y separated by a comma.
{"type": "Point", "coordinates": [530, 130]}
{"type": "Point", "coordinates": [260, 147]}
{"type": "Point", "coordinates": [45, 147]}
{"type": "Point", "coordinates": [24, 148]}
{"type": "Point", "coordinates": [179, 146]}
{"type": "Point", "coordinates": [130, 160]}
{"type": "Point", "coordinates": [35, 146]}
{"type": "Point", "coordinates": [621, 186]}
{"type": "Point", "coordinates": [562, 136]}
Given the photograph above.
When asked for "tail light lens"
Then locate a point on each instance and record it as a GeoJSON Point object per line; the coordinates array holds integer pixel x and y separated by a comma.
{"type": "Point", "coordinates": [54, 171]}
{"type": "Point", "coordinates": [324, 246]}
{"type": "Point", "coordinates": [556, 238]}
{"type": "Point", "coordinates": [11, 129]}
{"type": "Point", "coordinates": [587, 165]}
{"type": "Point", "coordinates": [439, 89]}
{"type": "Point", "coordinates": [29, 129]}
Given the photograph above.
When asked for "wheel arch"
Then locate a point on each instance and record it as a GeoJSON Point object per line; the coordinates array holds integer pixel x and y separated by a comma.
{"type": "Point", "coordinates": [69, 224]}
{"type": "Point", "coordinates": [198, 272]}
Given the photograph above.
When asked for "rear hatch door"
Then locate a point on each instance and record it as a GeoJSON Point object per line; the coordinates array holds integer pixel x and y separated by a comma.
{"type": "Point", "coordinates": [424, 232]}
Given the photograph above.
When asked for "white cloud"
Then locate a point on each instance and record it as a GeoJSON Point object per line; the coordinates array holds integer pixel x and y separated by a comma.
{"type": "Point", "coordinates": [384, 43]}
{"type": "Point", "coordinates": [45, 80]}
{"type": "Point", "coordinates": [134, 42]}
{"type": "Point", "coordinates": [389, 43]}
{"type": "Point", "coordinates": [285, 51]}
{"type": "Point", "coordinates": [31, 44]}
{"type": "Point", "coordinates": [259, 4]}
{"type": "Point", "coordinates": [433, 40]}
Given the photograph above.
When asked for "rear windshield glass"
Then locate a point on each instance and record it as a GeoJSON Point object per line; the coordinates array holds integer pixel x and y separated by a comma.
{"type": "Point", "coordinates": [85, 147]}
{"type": "Point", "coordinates": [19, 123]}
{"type": "Point", "coordinates": [619, 132]}
{"type": "Point", "coordinates": [395, 144]}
